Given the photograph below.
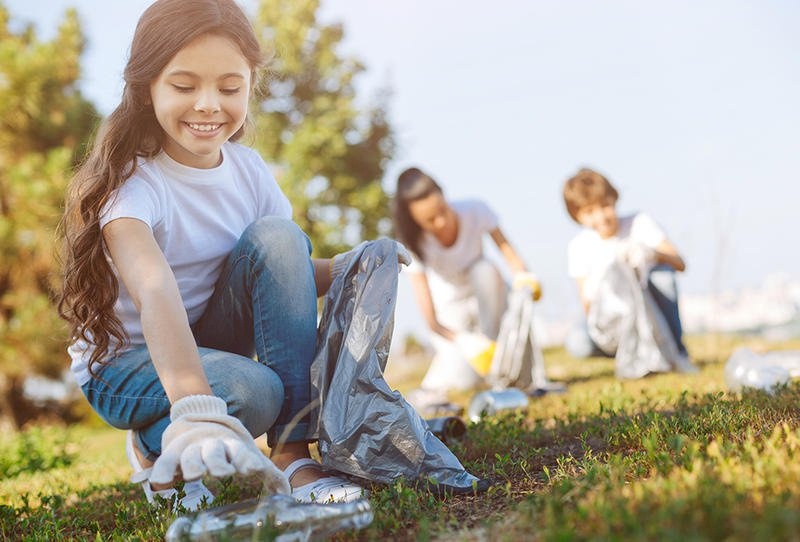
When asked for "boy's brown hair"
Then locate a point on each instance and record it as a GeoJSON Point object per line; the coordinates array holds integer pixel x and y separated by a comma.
{"type": "Point", "coordinates": [587, 187]}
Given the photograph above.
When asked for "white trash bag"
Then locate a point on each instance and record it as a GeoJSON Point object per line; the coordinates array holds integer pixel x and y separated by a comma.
{"type": "Point", "coordinates": [518, 361]}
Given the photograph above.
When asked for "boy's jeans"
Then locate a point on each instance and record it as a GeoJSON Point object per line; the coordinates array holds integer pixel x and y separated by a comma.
{"type": "Point", "coordinates": [264, 303]}
{"type": "Point", "coordinates": [662, 285]}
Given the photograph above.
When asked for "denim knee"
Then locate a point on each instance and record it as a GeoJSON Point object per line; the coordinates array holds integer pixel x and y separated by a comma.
{"type": "Point", "coordinates": [276, 235]}
{"type": "Point", "coordinates": [253, 392]}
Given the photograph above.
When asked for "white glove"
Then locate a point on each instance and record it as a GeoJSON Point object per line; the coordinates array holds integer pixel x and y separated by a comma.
{"type": "Point", "coordinates": [204, 439]}
{"type": "Point", "coordinates": [340, 261]}
{"type": "Point", "coordinates": [526, 279]}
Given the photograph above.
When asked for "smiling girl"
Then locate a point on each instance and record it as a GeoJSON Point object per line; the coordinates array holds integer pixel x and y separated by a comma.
{"type": "Point", "coordinates": [182, 262]}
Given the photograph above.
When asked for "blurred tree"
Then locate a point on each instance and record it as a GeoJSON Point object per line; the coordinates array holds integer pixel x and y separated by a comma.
{"type": "Point", "coordinates": [43, 121]}
{"type": "Point", "coordinates": [328, 152]}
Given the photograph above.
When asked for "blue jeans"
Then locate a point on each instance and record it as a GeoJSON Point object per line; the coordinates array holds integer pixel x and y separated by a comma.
{"type": "Point", "coordinates": [663, 287]}
{"type": "Point", "coordinates": [264, 304]}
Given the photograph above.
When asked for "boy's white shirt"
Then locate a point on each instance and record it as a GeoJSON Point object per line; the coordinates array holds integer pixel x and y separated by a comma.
{"type": "Point", "coordinates": [197, 216]}
{"type": "Point", "coordinates": [446, 267]}
{"type": "Point", "coordinates": [589, 255]}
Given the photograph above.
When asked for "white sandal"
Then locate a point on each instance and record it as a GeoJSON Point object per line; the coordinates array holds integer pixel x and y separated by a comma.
{"type": "Point", "coordinates": [195, 492]}
{"type": "Point", "coordinates": [324, 490]}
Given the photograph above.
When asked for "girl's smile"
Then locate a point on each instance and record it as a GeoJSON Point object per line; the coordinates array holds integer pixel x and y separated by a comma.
{"type": "Point", "coordinates": [200, 99]}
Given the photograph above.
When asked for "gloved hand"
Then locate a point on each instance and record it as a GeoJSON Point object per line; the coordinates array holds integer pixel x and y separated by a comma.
{"type": "Point", "coordinates": [340, 261]}
{"type": "Point", "coordinates": [526, 279]}
{"type": "Point", "coordinates": [478, 349]}
{"type": "Point", "coordinates": [204, 439]}
{"type": "Point", "coordinates": [639, 256]}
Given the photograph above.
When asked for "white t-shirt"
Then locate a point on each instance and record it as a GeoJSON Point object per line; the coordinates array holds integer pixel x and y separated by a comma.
{"type": "Point", "coordinates": [446, 267]}
{"type": "Point", "coordinates": [589, 255]}
{"type": "Point", "coordinates": [197, 216]}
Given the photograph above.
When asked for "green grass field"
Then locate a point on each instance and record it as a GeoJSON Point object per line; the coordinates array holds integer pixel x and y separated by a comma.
{"type": "Point", "coordinates": [668, 457]}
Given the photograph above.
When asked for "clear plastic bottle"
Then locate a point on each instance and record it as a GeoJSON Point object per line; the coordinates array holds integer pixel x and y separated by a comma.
{"type": "Point", "coordinates": [490, 402]}
{"type": "Point", "coordinates": [278, 517]}
{"type": "Point", "coordinates": [746, 369]}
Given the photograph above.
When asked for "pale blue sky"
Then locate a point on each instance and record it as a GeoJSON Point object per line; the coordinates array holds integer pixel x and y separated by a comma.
{"type": "Point", "coordinates": [690, 108]}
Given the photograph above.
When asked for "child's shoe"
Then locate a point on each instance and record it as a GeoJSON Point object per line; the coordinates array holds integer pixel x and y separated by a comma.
{"type": "Point", "coordinates": [196, 493]}
{"type": "Point", "coordinates": [325, 490]}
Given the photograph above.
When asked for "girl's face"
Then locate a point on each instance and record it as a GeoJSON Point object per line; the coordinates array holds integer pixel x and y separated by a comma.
{"type": "Point", "coordinates": [432, 214]}
{"type": "Point", "coordinates": [200, 99]}
{"type": "Point", "coordinates": [601, 217]}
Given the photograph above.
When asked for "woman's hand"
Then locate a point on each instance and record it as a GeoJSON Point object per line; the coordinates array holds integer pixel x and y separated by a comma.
{"type": "Point", "coordinates": [204, 439]}
{"type": "Point", "coordinates": [526, 279]}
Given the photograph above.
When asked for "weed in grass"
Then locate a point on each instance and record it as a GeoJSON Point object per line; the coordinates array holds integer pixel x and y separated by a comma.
{"type": "Point", "coordinates": [34, 450]}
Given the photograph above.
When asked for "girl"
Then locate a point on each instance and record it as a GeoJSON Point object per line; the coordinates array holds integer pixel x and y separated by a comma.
{"type": "Point", "coordinates": [462, 295]}
{"type": "Point", "coordinates": [181, 262]}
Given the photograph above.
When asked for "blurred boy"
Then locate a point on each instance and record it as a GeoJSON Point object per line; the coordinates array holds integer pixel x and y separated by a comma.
{"type": "Point", "coordinates": [635, 240]}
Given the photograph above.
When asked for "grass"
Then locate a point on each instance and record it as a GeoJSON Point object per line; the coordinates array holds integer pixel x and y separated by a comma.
{"type": "Point", "coordinates": [668, 457]}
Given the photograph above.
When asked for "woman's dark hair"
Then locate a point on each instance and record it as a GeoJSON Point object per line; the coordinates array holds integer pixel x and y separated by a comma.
{"type": "Point", "coordinates": [412, 185]}
{"type": "Point", "coordinates": [131, 131]}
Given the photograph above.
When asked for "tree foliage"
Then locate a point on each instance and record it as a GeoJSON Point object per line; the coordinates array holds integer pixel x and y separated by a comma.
{"type": "Point", "coordinates": [329, 153]}
{"type": "Point", "coordinates": [43, 121]}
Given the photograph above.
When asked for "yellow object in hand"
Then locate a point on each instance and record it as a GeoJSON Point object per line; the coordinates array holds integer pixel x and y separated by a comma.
{"type": "Point", "coordinates": [477, 349]}
{"type": "Point", "coordinates": [528, 280]}
{"type": "Point", "coordinates": [482, 361]}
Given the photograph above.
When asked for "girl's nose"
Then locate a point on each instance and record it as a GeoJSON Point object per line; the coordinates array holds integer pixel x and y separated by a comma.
{"type": "Point", "coordinates": [207, 102]}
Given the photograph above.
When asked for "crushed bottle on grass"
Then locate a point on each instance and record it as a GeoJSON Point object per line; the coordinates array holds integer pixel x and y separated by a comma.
{"type": "Point", "coordinates": [277, 517]}
{"type": "Point", "coordinates": [493, 402]}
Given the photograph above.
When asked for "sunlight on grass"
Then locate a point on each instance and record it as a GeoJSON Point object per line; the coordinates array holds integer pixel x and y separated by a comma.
{"type": "Point", "coordinates": [667, 457]}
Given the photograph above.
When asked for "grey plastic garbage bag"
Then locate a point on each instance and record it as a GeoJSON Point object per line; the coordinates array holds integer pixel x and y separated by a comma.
{"type": "Point", "coordinates": [625, 319]}
{"type": "Point", "coordinates": [364, 428]}
{"type": "Point", "coordinates": [518, 361]}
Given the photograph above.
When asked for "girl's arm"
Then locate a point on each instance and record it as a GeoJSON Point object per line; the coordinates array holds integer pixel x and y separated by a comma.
{"type": "Point", "coordinates": [152, 286]}
{"type": "Point", "coordinates": [422, 293]}
{"type": "Point", "coordinates": [666, 253]}
{"type": "Point", "coordinates": [514, 261]}
{"type": "Point", "coordinates": [322, 274]}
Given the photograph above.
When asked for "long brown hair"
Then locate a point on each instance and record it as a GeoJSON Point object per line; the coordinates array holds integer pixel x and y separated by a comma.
{"type": "Point", "coordinates": [413, 184]}
{"type": "Point", "coordinates": [130, 132]}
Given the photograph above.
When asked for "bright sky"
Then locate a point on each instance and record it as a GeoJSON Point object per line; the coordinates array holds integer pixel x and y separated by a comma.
{"type": "Point", "coordinates": [690, 108]}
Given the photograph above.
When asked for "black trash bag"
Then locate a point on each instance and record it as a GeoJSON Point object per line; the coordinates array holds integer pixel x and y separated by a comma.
{"type": "Point", "coordinates": [365, 429]}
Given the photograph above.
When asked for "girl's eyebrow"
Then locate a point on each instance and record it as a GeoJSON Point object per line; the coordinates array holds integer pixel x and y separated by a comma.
{"type": "Point", "coordinates": [192, 74]}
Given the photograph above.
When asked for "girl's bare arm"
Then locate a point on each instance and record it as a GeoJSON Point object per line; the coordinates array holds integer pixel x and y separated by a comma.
{"type": "Point", "coordinates": [154, 290]}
